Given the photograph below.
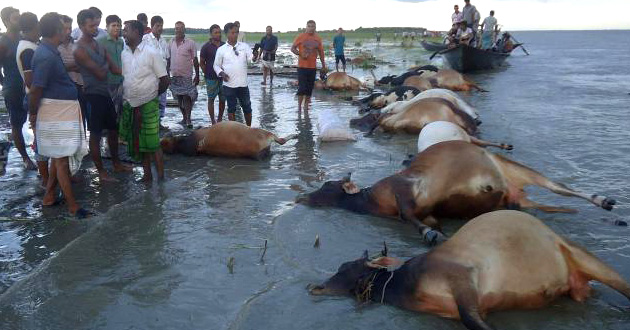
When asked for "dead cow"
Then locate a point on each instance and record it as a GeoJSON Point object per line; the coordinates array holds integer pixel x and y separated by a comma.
{"type": "Point", "coordinates": [417, 115]}
{"type": "Point", "coordinates": [341, 81]}
{"type": "Point", "coordinates": [224, 139]}
{"type": "Point", "coordinates": [379, 100]}
{"type": "Point", "coordinates": [441, 131]}
{"type": "Point", "coordinates": [497, 261]}
{"type": "Point", "coordinates": [453, 179]}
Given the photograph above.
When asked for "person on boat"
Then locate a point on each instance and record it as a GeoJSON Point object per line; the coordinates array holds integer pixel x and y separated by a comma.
{"type": "Point", "coordinates": [457, 16]}
{"type": "Point", "coordinates": [489, 28]}
{"type": "Point", "coordinates": [472, 17]}
{"type": "Point", "coordinates": [505, 44]}
{"type": "Point", "coordinates": [464, 34]}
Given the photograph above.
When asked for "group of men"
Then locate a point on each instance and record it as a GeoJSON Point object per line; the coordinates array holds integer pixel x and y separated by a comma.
{"type": "Point", "coordinates": [466, 25]}
{"type": "Point", "coordinates": [64, 81]}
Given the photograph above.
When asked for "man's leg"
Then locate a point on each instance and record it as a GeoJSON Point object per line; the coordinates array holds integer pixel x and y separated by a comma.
{"type": "Point", "coordinates": [162, 107]}
{"type": "Point", "coordinates": [42, 168]}
{"type": "Point", "coordinates": [337, 58]}
{"type": "Point", "coordinates": [307, 102]}
{"type": "Point", "coordinates": [146, 166]}
{"type": "Point", "coordinates": [246, 104]}
{"type": "Point", "coordinates": [343, 61]}
{"type": "Point", "coordinates": [63, 176]}
{"type": "Point", "coordinates": [112, 141]}
{"type": "Point", "coordinates": [51, 185]}
{"type": "Point", "coordinates": [211, 110]}
{"type": "Point", "coordinates": [180, 105]}
{"type": "Point", "coordinates": [18, 114]}
{"type": "Point", "coordinates": [159, 164]}
{"type": "Point", "coordinates": [271, 74]}
{"type": "Point", "coordinates": [95, 152]}
{"type": "Point", "coordinates": [187, 106]}
{"type": "Point", "coordinates": [230, 97]}
{"type": "Point", "coordinates": [221, 108]}
{"type": "Point", "coordinates": [265, 71]}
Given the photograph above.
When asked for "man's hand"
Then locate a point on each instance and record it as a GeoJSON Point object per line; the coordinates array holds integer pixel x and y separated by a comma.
{"type": "Point", "coordinates": [196, 80]}
{"type": "Point", "coordinates": [225, 76]}
{"type": "Point", "coordinates": [32, 118]}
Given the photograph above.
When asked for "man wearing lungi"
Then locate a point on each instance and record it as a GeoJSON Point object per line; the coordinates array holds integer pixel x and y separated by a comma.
{"type": "Point", "coordinates": [145, 78]}
{"type": "Point", "coordinates": [183, 58]}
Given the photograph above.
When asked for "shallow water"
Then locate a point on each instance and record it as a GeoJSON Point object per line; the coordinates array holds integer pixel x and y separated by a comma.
{"type": "Point", "coordinates": [157, 257]}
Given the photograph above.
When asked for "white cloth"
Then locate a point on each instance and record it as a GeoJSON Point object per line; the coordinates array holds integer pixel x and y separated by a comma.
{"type": "Point", "coordinates": [60, 131]}
{"type": "Point", "coordinates": [159, 44]}
{"type": "Point", "coordinates": [331, 128]}
{"type": "Point", "coordinates": [142, 70]}
{"type": "Point", "coordinates": [489, 23]}
{"type": "Point", "coordinates": [77, 33]}
{"type": "Point", "coordinates": [464, 33]}
{"type": "Point", "coordinates": [457, 17]}
{"type": "Point", "coordinates": [22, 46]}
{"type": "Point", "coordinates": [234, 66]}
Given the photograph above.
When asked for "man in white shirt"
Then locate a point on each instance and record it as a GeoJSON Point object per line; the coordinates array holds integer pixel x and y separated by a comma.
{"type": "Point", "coordinates": [464, 34]}
{"type": "Point", "coordinates": [489, 27]}
{"type": "Point", "coordinates": [457, 16]}
{"type": "Point", "coordinates": [145, 77]}
{"type": "Point", "coordinates": [230, 64]}
{"type": "Point", "coordinates": [154, 38]}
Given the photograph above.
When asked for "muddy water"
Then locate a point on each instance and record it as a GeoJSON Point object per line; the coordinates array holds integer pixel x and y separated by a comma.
{"type": "Point", "coordinates": [157, 257]}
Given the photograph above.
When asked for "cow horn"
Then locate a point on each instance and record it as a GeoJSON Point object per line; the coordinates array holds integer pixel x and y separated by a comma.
{"type": "Point", "coordinates": [365, 255]}
{"type": "Point", "coordinates": [384, 252]}
{"type": "Point", "coordinates": [348, 177]}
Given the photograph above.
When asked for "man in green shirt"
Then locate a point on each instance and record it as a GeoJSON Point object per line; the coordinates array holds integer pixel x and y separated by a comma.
{"type": "Point", "coordinates": [114, 45]}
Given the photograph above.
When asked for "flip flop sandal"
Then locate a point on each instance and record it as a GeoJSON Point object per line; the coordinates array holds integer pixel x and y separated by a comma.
{"type": "Point", "coordinates": [83, 214]}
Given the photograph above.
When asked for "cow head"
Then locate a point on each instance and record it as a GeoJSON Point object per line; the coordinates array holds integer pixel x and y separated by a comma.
{"type": "Point", "coordinates": [184, 144]}
{"type": "Point", "coordinates": [366, 123]}
{"type": "Point", "coordinates": [353, 277]}
{"type": "Point", "coordinates": [331, 193]}
{"type": "Point", "coordinates": [386, 80]}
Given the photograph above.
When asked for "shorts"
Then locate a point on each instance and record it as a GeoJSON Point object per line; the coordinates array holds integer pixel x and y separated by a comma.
{"type": "Point", "coordinates": [238, 93]}
{"type": "Point", "coordinates": [102, 113]}
{"type": "Point", "coordinates": [267, 64]}
{"type": "Point", "coordinates": [13, 99]}
{"type": "Point", "coordinates": [341, 58]}
{"type": "Point", "coordinates": [214, 88]}
{"type": "Point", "coordinates": [306, 81]}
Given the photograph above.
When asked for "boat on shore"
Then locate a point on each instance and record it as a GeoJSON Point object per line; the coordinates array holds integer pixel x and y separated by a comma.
{"type": "Point", "coordinates": [464, 58]}
{"type": "Point", "coordinates": [432, 46]}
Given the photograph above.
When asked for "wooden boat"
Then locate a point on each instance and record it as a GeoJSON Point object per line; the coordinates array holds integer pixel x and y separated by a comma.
{"type": "Point", "coordinates": [432, 46]}
{"type": "Point", "coordinates": [464, 58]}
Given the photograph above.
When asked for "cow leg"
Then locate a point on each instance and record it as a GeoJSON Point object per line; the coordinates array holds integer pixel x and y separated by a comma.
{"type": "Point", "coordinates": [284, 140]}
{"type": "Point", "coordinates": [483, 143]}
{"type": "Point", "coordinates": [528, 204]}
{"type": "Point", "coordinates": [430, 235]}
{"type": "Point", "coordinates": [467, 300]}
{"type": "Point", "coordinates": [520, 175]}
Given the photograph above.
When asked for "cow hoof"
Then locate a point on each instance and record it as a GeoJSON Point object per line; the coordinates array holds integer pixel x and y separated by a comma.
{"type": "Point", "coordinates": [509, 147]}
{"type": "Point", "coordinates": [434, 237]}
{"type": "Point", "coordinates": [608, 203]}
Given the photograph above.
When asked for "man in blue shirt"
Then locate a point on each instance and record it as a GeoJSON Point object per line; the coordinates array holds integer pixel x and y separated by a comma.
{"type": "Point", "coordinates": [12, 85]}
{"type": "Point", "coordinates": [56, 114]}
{"type": "Point", "coordinates": [269, 46]}
{"type": "Point", "coordinates": [338, 43]}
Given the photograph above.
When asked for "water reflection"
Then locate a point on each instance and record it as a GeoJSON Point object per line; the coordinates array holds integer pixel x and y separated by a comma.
{"type": "Point", "coordinates": [306, 153]}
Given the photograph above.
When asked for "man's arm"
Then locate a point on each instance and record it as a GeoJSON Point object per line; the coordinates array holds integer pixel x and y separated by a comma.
{"type": "Point", "coordinates": [218, 66]}
{"type": "Point", "coordinates": [82, 59]}
{"type": "Point", "coordinates": [113, 67]}
{"type": "Point", "coordinates": [321, 56]}
{"type": "Point", "coordinates": [203, 61]}
{"type": "Point", "coordinates": [196, 64]}
{"type": "Point", "coordinates": [34, 96]}
{"type": "Point", "coordinates": [294, 47]}
{"type": "Point", "coordinates": [165, 81]}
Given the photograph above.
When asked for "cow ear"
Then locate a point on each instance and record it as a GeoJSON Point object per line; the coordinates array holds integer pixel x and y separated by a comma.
{"type": "Point", "coordinates": [385, 262]}
{"type": "Point", "coordinates": [350, 188]}
{"type": "Point", "coordinates": [365, 255]}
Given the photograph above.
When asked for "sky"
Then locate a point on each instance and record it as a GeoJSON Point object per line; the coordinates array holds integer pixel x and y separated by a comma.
{"type": "Point", "coordinates": [286, 15]}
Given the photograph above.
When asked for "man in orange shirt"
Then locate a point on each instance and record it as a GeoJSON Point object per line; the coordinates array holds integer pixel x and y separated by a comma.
{"type": "Point", "coordinates": [307, 46]}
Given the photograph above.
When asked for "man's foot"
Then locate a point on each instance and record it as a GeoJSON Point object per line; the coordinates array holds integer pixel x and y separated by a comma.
{"type": "Point", "coordinates": [106, 178]}
{"type": "Point", "coordinates": [120, 167]}
{"type": "Point", "coordinates": [263, 83]}
{"type": "Point", "coordinates": [52, 201]}
{"type": "Point", "coordinates": [82, 213]}
{"type": "Point", "coordinates": [29, 165]}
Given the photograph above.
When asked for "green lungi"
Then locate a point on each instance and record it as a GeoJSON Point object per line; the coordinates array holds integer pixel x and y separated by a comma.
{"type": "Point", "coordinates": [140, 128]}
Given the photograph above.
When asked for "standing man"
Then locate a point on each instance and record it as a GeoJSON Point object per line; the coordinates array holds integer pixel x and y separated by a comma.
{"type": "Point", "coordinates": [94, 63]}
{"type": "Point", "coordinates": [457, 16]}
{"type": "Point", "coordinates": [489, 28]}
{"type": "Point", "coordinates": [99, 33]}
{"type": "Point", "coordinates": [269, 46]}
{"type": "Point", "coordinates": [183, 57]}
{"type": "Point", "coordinates": [114, 44]}
{"type": "Point", "coordinates": [338, 43]}
{"type": "Point", "coordinates": [472, 17]}
{"type": "Point", "coordinates": [52, 104]}
{"type": "Point", "coordinates": [154, 38]}
{"type": "Point", "coordinates": [66, 50]}
{"type": "Point", "coordinates": [307, 46]}
{"type": "Point", "coordinates": [142, 18]}
{"type": "Point", "coordinates": [214, 85]}
{"type": "Point", "coordinates": [12, 84]}
{"type": "Point", "coordinates": [230, 64]}
{"type": "Point", "coordinates": [145, 79]}
{"type": "Point", "coordinates": [24, 55]}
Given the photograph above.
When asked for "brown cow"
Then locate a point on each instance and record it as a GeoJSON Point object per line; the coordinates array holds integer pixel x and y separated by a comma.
{"type": "Point", "coordinates": [417, 115]}
{"type": "Point", "coordinates": [418, 82]}
{"type": "Point", "coordinates": [452, 179]}
{"type": "Point", "coordinates": [453, 80]}
{"type": "Point", "coordinates": [224, 139]}
{"type": "Point", "coordinates": [341, 81]}
{"type": "Point", "coordinates": [499, 260]}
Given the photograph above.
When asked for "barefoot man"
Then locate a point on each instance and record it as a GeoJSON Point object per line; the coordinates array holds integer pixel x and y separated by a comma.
{"type": "Point", "coordinates": [145, 78]}
{"type": "Point", "coordinates": [307, 46]}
